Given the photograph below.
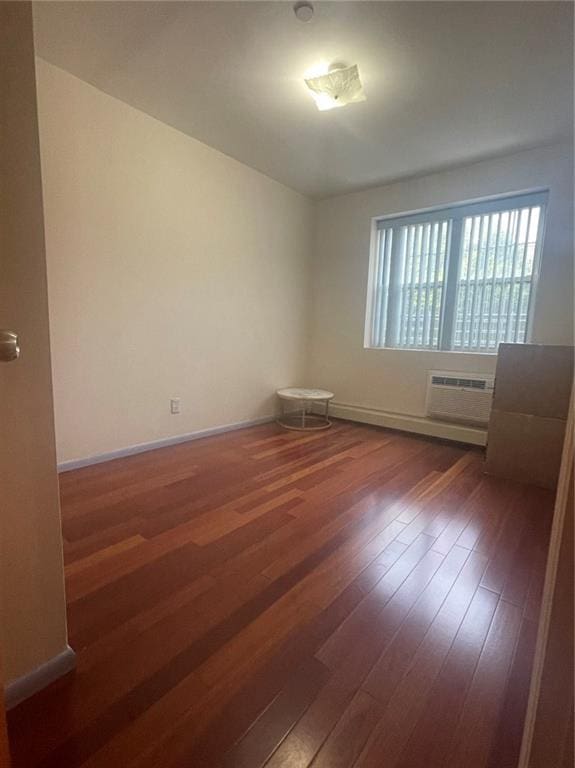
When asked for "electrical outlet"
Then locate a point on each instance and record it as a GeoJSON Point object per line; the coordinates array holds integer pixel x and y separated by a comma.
{"type": "Point", "coordinates": [175, 405]}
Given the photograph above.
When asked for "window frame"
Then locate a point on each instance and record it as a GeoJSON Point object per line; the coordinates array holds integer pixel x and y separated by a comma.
{"type": "Point", "coordinates": [455, 214]}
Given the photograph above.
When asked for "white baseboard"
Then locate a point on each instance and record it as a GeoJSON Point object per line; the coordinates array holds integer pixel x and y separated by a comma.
{"type": "Point", "coordinates": [66, 466]}
{"type": "Point", "coordinates": [418, 424]}
{"type": "Point", "coordinates": [25, 686]}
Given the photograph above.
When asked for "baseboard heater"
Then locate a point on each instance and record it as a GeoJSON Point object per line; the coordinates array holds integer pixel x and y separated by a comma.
{"type": "Point", "coordinates": [460, 397]}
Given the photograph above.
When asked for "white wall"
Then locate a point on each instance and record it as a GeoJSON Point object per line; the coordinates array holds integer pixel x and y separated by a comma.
{"type": "Point", "coordinates": [173, 270]}
{"type": "Point", "coordinates": [395, 380]}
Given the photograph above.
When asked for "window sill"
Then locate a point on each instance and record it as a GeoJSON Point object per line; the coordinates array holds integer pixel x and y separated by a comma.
{"type": "Point", "coordinates": [457, 352]}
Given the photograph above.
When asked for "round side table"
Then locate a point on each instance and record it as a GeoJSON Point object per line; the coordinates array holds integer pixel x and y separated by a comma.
{"type": "Point", "coordinates": [302, 419]}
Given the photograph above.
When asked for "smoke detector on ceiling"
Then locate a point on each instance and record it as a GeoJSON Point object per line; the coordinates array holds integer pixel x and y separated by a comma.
{"type": "Point", "coordinates": [303, 11]}
{"type": "Point", "coordinates": [339, 86]}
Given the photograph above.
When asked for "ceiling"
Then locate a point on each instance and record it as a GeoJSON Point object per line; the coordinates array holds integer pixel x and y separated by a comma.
{"type": "Point", "coordinates": [446, 82]}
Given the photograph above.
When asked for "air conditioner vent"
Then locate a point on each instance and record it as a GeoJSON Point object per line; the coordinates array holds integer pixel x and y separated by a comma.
{"type": "Point", "coordinates": [464, 397]}
{"type": "Point", "coordinates": [449, 381]}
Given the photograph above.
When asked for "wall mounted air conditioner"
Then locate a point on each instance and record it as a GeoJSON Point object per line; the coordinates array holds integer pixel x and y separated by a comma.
{"type": "Point", "coordinates": [463, 397]}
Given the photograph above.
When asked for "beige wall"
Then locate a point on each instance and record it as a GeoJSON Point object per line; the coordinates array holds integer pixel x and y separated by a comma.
{"type": "Point", "coordinates": [173, 271]}
{"type": "Point", "coordinates": [395, 380]}
{"type": "Point", "coordinates": [33, 618]}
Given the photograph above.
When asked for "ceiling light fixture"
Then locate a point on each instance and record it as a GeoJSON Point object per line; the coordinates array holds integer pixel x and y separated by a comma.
{"type": "Point", "coordinates": [303, 11]}
{"type": "Point", "coordinates": [339, 86]}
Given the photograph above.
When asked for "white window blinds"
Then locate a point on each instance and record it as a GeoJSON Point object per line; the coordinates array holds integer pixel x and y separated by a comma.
{"type": "Point", "coordinates": [460, 279]}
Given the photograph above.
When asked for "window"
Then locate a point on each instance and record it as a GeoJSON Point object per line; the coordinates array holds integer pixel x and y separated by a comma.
{"type": "Point", "coordinates": [460, 278]}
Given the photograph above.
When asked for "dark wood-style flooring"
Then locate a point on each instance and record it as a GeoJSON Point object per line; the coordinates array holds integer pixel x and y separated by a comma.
{"type": "Point", "coordinates": [355, 597]}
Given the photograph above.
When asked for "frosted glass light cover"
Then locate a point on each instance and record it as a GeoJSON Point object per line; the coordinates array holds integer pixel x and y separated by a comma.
{"type": "Point", "coordinates": [336, 88]}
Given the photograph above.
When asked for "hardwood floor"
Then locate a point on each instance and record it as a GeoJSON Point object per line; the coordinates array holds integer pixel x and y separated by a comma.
{"type": "Point", "coordinates": [355, 597]}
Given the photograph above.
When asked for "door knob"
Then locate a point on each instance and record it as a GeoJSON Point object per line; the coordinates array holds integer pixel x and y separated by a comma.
{"type": "Point", "coordinates": [9, 349]}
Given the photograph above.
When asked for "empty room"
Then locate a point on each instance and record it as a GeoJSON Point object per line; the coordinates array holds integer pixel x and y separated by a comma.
{"type": "Point", "coordinates": [286, 373]}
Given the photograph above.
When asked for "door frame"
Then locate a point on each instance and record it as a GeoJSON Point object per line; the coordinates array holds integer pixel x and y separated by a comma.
{"type": "Point", "coordinates": [561, 509]}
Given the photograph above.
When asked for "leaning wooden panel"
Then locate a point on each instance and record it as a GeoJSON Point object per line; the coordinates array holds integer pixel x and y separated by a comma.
{"type": "Point", "coordinates": [529, 413]}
